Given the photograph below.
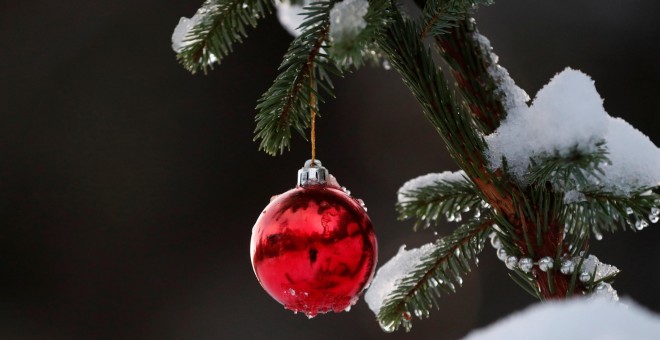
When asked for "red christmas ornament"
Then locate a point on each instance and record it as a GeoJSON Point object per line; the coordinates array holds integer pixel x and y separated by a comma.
{"type": "Point", "coordinates": [313, 248]}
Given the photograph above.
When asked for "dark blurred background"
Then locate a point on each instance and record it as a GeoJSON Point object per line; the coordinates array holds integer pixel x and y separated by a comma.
{"type": "Point", "coordinates": [128, 187]}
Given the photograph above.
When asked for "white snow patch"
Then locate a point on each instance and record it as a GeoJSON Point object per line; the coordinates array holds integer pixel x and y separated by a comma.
{"type": "Point", "coordinates": [567, 115]}
{"type": "Point", "coordinates": [290, 15]}
{"type": "Point", "coordinates": [347, 19]}
{"type": "Point", "coordinates": [583, 319]}
{"type": "Point", "coordinates": [592, 265]}
{"type": "Point", "coordinates": [428, 180]}
{"type": "Point", "coordinates": [391, 273]}
{"type": "Point", "coordinates": [635, 159]}
{"type": "Point", "coordinates": [605, 291]}
{"type": "Point", "coordinates": [574, 196]}
{"type": "Point", "coordinates": [180, 34]}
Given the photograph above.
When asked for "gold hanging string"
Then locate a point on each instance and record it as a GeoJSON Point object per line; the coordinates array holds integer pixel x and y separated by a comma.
{"type": "Point", "coordinates": [312, 104]}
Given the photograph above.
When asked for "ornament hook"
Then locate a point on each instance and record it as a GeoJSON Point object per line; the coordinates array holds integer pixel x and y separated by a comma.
{"type": "Point", "coordinates": [312, 104]}
{"type": "Point", "coordinates": [312, 173]}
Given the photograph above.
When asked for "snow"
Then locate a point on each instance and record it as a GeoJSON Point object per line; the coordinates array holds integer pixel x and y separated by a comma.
{"type": "Point", "coordinates": [347, 19]}
{"type": "Point", "coordinates": [391, 273]}
{"type": "Point", "coordinates": [592, 265]}
{"type": "Point", "coordinates": [290, 15]}
{"type": "Point", "coordinates": [566, 116]}
{"type": "Point", "coordinates": [574, 196]}
{"type": "Point", "coordinates": [635, 159]}
{"type": "Point", "coordinates": [584, 319]}
{"type": "Point", "coordinates": [181, 31]}
{"type": "Point", "coordinates": [605, 291]}
{"type": "Point", "coordinates": [428, 180]}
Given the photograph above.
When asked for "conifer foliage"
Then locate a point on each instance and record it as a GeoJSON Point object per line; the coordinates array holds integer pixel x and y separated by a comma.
{"type": "Point", "coordinates": [540, 222]}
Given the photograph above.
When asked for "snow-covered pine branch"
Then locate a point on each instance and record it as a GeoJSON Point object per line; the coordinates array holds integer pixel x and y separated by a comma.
{"type": "Point", "coordinates": [409, 284]}
{"type": "Point", "coordinates": [210, 34]}
{"type": "Point", "coordinates": [567, 119]}
{"type": "Point", "coordinates": [429, 197]}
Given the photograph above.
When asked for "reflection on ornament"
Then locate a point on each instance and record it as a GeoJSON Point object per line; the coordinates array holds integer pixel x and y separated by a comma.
{"type": "Point", "coordinates": [313, 248]}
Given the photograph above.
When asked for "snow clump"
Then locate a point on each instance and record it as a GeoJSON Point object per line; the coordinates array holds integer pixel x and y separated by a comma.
{"type": "Point", "coordinates": [347, 19]}
{"type": "Point", "coordinates": [181, 36]}
{"type": "Point", "coordinates": [389, 275]}
{"type": "Point", "coordinates": [584, 319]}
{"type": "Point", "coordinates": [290, 15]}
{"type": "Point", "coordinates": [568, 117]}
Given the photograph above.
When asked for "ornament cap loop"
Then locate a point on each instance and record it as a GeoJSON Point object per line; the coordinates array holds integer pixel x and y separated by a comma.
{"type": "Point", "coordinates": [312, 173]}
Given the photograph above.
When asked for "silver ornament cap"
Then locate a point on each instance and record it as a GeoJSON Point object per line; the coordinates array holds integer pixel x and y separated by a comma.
{"type": "Point", "coordinates": [312, 173]}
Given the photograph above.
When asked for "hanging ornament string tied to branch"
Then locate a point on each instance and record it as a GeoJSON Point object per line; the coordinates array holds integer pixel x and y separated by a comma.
{"type": "Point", "coordinates": [312, 109]}
{"type": "Point", "coordinates": [313, 248]}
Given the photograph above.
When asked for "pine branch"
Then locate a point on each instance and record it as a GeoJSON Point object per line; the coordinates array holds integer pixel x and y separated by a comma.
{"type": "Point", "coordinates": [355, 51]}
{"type": "Point", "coordinates": [448, 198]}
{"type": "Point", "coordinates": [222, 23]}
{"type": "Point", "coordinates": [470, 65]}
{"type": "Point", "coordinates": [606, 211]}
{"type": "Point", "coordinates": [441, 15]}
{"type": "Point", "coordinates": [436, 274]}
{"type": "Point", "coordinates": [305, 68]}
{"type": "Point", "coordinates": [538, 219]}
{"type": "Point", "coordinates": [456, 124]}
{"type": "Point", "coordinates": [453, 122]}
{"type": "Point", "coordinates": [574, 170]}
{"type": "Point", "coordinates": [526, 282]}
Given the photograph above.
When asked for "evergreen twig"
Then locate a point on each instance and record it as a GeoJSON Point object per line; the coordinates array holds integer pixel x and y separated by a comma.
{"type": "Point", "coordinates": [452, 121]}
{"type": "Point", "coordinates": [356, 50]}
{"type": "Point", "coordinates": [574, 170]}
{"type": "Point", "coordinates": [441, 15]}
{"type": "Point", "coordinates": [602, 210]}
{"type": "Point", "coordinates": [223, 23]}
{"type": "Point", "coordinates": [437, 274]}
{"type": "Point", "coordinates": [286, 103]}
{"type": "Point", "coordinates": [427, 203]}
{"type": "Point", "coordinates": [470, 65]}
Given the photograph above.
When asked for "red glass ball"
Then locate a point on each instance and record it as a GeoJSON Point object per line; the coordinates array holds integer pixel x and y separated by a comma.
{"type": "Point", "coordinates": [314, 249]}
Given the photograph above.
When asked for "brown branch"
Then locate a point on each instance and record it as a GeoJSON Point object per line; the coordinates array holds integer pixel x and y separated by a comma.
{"type": "Point", "coordinates": [470, 70]}
{"type": "Point", "coordinates": [552, 239]}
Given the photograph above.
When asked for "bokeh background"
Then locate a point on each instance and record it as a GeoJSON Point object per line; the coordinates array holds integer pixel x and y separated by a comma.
{"type": "Point", "coordinates": [129, 187]}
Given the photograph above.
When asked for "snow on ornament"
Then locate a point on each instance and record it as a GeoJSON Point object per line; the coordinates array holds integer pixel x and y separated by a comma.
{"type": "Point", "coordinates": [313, 248]}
